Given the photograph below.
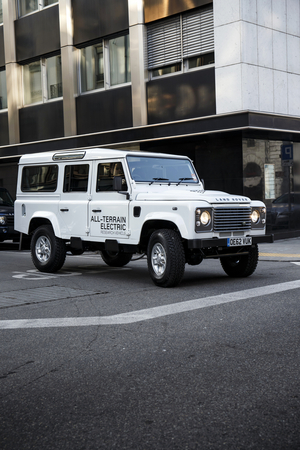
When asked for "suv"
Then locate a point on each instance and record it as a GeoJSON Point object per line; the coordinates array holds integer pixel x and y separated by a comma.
{"type": "Point", "coordinates": [123, 203]}
{"type": "Point", "coordinates": [7, 231]}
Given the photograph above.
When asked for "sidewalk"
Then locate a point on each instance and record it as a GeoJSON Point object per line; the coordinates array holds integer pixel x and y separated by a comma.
{"type": "Point", "coordinates": [281, 250]}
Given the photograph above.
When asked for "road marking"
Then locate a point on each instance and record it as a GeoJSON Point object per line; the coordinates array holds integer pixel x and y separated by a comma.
{"type": "Point", "coordinates": [283, 255]}
{"type": "Point", "coordinates": [34, 274]}
{"type": "Point", "coordinates": [151, 313]}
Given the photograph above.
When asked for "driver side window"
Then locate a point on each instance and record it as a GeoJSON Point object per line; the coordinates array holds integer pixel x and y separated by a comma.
{"type": "Point", "coordinates": [106, 173]}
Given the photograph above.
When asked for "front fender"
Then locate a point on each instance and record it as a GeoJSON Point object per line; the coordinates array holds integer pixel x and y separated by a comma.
{"type": "Point", "coordinates": [169, 217]}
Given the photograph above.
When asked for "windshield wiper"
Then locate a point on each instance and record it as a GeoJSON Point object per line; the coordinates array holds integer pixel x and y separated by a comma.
{"type": "Point", "coordinates": [183, 179]}
{"type": "Point", "coordinates": [159, 179]}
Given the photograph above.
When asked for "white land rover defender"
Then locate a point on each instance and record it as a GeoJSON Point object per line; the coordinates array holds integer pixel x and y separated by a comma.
{"type": "Point", "coordinates": [123, 203]}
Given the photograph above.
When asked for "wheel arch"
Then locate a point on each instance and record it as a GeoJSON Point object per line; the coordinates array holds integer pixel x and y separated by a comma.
{"type": "Point", "coordinates": [155, 224]}
{"type": "Point", "coordinates": [46, 219]}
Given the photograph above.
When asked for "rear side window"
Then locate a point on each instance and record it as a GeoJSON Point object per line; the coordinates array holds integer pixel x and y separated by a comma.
{"type": "Point", "coordinates": [76, 178]}
{"type": "Point", "coordinates": [39, 178]}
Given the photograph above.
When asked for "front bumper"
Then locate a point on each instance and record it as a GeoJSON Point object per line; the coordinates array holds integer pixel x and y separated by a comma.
{"type": "Point", "coordinates": [222, 242]}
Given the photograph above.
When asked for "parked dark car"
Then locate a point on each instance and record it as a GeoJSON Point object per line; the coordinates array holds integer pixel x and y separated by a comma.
{"type": "Point", "coordinates": [283, 214]}
{"type": "Point", "coordinates": [7, 231]}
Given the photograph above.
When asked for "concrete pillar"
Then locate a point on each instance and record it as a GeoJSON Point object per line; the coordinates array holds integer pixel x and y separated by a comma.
{"type": "Point", "coordinates": [13, 71]}
{"type": "Point", "coordinates": [69, 78]}
{"type": "Point", "coordinates": [137, 38]}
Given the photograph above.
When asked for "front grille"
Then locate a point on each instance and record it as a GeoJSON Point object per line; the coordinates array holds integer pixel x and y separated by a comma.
{"type": "Point", "coordinates": [232, 219]}
{"type": "Point", "coordinates": [10, 220]}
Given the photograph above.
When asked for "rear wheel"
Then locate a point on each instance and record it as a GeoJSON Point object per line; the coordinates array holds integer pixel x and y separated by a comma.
{"type": "Point", "coordinates": [241, 266]}
{"type": "Point", "coordinates": [116, 259]}
{"type": "Point", "coordinates": [166, 258]}
{"type": "Point", "coordinates": [48, 252]}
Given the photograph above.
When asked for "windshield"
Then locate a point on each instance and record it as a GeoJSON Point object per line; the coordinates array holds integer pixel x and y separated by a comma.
{"type": "Point", "coordinates": [5, 198]}
{"type": "Point", "coordinates": [168, 170]}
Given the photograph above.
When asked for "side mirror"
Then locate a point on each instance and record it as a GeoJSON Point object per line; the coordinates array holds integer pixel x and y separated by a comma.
{"type": "Point", "coordinates": [202, 181]}
{"type": "Point", "coordinates": [117, 184]}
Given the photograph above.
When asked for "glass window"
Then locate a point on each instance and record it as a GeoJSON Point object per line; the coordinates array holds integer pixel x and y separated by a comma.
{"type": "Point", "coordinates": [39, 178]}
{"type": "Point", "coordinates": [181, 42]}
{"type": "Point", "coordinates": [46, 69]}
{"type": "Point", "coordinates": [92, 69]}
{"type": "Point", "coordinates": [76, 178]}
{"type": "Point", "coordinates": [166, 70]}
{"type": "Point", "coordinates": [102, 65]}
{"type": "Point", "coordinates": [106, 174]}
{"type": "Point", "coordinates": [203, 60]}
{"type": "Point", "coordinates": [28, 6]}
{"type": "Point", "coordinates": [5, 198]}
{"type": "Point", "coordinates": [119, 60]}
{"type": "Point", "coordinates": [3, 91]}
{"type": "Point", "coordinates": [168, 170]}
{"type": "Point", "coordinates": [54, 77]}
{"type": "Point", "coordinates": [32, 79]}
{"type": "Point", "coordinates": [49, 2]}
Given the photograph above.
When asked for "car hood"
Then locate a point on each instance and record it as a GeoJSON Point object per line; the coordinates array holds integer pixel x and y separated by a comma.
{"type": "Point", "coordinates": [213, 197]}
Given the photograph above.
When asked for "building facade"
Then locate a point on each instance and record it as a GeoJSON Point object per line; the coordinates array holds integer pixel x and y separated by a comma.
{"type": "Point", "coordinates": [217, 80]}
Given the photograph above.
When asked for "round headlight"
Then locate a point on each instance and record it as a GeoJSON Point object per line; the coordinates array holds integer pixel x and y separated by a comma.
{"type": "Point", "coordinates": [255, 216]}
{"type": "Point", "coordinates": [2, 220]}
{"type": "Point", "coordinates": [205, 218]}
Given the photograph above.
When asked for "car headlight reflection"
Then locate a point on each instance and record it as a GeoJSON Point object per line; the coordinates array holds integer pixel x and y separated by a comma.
{"type": "Point", "coordinates": [255, 216]}
{"type": "Point", "coordinates": [205, 218]}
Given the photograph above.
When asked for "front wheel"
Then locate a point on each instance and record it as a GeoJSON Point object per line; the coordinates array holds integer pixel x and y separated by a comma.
{"type": "Point", "coordinates": [116, 259]}
{"type": "Point", "coordinates": [48, 252]}
{"type": "Point", "coordinates": [241, 266]}
{"type": "Point", "coordinates": [166, 258]}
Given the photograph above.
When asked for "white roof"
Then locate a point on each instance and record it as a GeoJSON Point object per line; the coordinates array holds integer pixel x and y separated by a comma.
{"type": "Point", "coordinates": [84, 155]}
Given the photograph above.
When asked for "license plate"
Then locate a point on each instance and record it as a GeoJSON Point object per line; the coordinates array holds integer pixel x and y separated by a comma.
{"type": "Point", "coordinates": [238, 242]}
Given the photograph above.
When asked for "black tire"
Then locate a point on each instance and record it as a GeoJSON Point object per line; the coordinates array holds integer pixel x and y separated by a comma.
{"type": "Point", "coordinates": [116, 259]}
{"type": "Point", "coordinates": [241, 266]}
{"type": "Point", "coordinates": [166, 258]}
{"type": "Point", "coordinates": [48, 252]}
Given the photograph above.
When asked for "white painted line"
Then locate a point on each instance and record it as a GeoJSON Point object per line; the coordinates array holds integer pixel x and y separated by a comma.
{"type": "Point", "coordinates": [151, 313]}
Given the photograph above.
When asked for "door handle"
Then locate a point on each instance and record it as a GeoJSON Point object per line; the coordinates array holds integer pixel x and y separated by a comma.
{"type": "Point", "coordinates": [64, 210]}
{"type": "Point", "coordinates": [96, 210]}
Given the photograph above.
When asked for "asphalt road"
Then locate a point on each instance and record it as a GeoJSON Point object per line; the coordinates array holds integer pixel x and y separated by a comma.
{"type": "Point", "coordinates": [100, 358]}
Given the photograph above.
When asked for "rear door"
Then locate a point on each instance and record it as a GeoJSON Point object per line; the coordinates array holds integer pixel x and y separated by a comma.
{"type": "Point", "coordinates": [73, 206]}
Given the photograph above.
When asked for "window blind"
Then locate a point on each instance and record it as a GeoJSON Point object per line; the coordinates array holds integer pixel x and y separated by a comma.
{"type": "Point", "coordinates": [164, 43]}
{"type": "Point", "coordinates": [198, 32]}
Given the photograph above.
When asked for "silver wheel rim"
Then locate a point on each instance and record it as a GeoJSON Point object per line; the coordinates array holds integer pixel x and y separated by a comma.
{"type": "Point", "coordinates": [158, 259]}
{"type": "Point", "coordinates": [43, 249]}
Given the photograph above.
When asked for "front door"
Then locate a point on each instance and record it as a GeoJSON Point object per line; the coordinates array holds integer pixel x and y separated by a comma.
{"type": "Point", "coordinates": [108, 209]}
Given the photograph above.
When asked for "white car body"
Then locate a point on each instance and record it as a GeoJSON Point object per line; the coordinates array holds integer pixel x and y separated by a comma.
{"type": "Point", "coordinates": [123, 220]}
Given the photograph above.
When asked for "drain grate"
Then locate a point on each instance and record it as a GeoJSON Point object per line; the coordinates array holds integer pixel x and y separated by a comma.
{"type": "Point", "coordinates": [39, 295]}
